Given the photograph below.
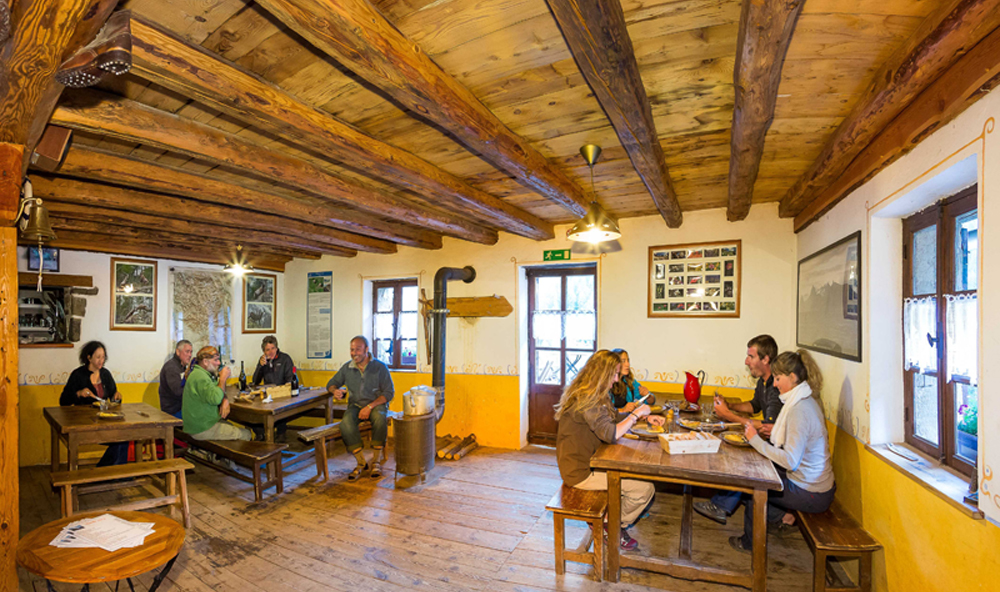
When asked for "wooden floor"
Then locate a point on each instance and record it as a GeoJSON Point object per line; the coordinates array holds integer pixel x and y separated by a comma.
{"type": "Point", "coordinates": [478, 524]}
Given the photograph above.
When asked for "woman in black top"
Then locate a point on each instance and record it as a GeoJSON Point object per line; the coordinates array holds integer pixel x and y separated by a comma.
{"type": "Point", "coordinates": [92, 382]}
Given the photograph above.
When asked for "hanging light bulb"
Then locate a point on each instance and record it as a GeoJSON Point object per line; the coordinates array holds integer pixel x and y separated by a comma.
{"type": "Point", "coordinates": [596, 226]}
{"type": "Point", "coordinates": [239, 266]}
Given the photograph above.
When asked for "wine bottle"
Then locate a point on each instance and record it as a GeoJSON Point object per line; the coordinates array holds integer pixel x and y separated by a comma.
{"type": "Point", "coordinates": [243, 378]}
{"type": "Point", "coordinates": [295, 382]}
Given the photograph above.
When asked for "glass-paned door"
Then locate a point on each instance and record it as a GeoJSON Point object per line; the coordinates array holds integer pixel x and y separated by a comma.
{"type": "Point", "coordinates": [394, 322]}
{"type": "Point", "coordinates": [562, 335]}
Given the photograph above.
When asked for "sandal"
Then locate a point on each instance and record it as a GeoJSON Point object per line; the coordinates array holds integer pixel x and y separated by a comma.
{"type": "Point", "coordinates": [376, 471]}
{"type": "Point", "coordinates": [356, 473]}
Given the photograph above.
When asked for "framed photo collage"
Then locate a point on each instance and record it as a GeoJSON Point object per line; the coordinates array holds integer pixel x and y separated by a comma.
{"type": "Point", "coordinates": [695, 280]}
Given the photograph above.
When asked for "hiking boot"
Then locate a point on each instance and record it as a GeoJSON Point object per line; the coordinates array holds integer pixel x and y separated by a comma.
{"type": "Point", "coordinates": [711, 511]}
{"type": "Point", "coordinates": [781, 529]}
{"type": "Point", "coordinates": [736, 542]}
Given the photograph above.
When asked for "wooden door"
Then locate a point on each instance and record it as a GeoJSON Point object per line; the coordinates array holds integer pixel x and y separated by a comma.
{"type": "Point", "coordinates": [562, 335]}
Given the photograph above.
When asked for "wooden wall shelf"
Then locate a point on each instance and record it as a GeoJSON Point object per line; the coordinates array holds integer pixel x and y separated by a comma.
{"type": "Point", "coordinates": [43, 345]}
{"type": "Point", "coordinates": [55, 280]}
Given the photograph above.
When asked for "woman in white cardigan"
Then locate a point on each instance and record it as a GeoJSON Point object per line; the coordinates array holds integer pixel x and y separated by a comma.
{"type": "Point", "coordinates": [799, 447]}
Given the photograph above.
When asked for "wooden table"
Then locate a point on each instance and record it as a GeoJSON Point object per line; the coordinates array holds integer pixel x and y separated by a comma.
{"type": "Point", "coordinates": [736, 469]}
{"type": "Point", "coordinates": [91, 566]}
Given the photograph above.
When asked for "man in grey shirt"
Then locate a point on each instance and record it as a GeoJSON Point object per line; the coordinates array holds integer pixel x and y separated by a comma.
{"type": "Point", "coordinates": [370, 389]}
{"type": "Point", "coordinates": [172, 378]}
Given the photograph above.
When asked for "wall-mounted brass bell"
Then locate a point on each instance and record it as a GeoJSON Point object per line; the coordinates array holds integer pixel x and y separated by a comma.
{"type": "Point", "coordinates": [37, 228]}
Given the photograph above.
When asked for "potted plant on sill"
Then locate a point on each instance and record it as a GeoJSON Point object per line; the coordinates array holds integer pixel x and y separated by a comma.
{"type": "Point", "coordinates": [968, 431]}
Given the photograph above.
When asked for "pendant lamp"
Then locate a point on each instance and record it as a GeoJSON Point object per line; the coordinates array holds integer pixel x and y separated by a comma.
{"type": "Point", "coordinates": [596, 226]}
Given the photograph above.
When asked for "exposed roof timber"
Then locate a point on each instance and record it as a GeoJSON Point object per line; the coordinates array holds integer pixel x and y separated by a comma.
{"type": "Point", "coordinates": [161, 57]}
{"type": "Point", "coordinates": [765, 33]}
{"type": "Point", "coordinates": [323, 219]}
{"type": "Point", "coordinates": [942, 38]}
{"type": "Point", "coordinates": [597, 37]}
{"type": "Point", "coordinates": [357, 35]}
{"type": "Point", "coordinates": [123, 119]}
{"type": "Point", "coordinates": [968, 80]}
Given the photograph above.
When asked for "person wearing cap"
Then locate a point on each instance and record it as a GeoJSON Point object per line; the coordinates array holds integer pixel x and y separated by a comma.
{"type": "Point", "coordinates": [204, 405]}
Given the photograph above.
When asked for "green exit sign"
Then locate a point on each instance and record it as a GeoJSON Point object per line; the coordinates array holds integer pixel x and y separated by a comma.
{"type": "Point", "coordinates": [558, 255]}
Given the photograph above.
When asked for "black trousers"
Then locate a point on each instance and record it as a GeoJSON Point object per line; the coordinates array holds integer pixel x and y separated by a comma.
{"type": "Point", "coordinates": [792, 497]}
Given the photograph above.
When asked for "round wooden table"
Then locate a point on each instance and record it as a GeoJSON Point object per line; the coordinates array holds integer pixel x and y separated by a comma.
{"type": "Point", "coordinates": [94, 565]}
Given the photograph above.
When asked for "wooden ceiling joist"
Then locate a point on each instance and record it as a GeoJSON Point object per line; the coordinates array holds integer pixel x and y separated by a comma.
{"type": "Point", "coordinates": [597, 37]}
{"type": "Point", "coordinates": [765, 32]}
{"type": "Point", "coordinates": [100, 165]}
{"type": "Point", "coordinates": [161, 57]}
{"type": "Point", "coordinates": [940, 40]}
{"type": "Point", "coordinates": [357, 35]}
{"type": "Point", "coordinates": [119, 118]}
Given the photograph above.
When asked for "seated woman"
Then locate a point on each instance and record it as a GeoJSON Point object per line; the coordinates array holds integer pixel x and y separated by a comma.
{"type": "Point", "coordinates": [92, 382]}
{"type": "Point", "coordinates": [587, 420]}
{"type": "Point", "coordinates": [799, 447]}
{"type": "Point", "coordinates": [627, 390]}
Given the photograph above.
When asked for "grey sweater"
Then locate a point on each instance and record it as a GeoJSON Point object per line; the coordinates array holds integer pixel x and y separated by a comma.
{"type": "Point", "coordinates": [806, 453]}
{"type": "Point", "coordinates": [580, 434]}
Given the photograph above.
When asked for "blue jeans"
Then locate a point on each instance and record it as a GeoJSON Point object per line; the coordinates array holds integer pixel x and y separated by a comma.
{"type": "Point", "coordinates": [728, 500]}
{"type": "Point", "coordinates": [349, 428]}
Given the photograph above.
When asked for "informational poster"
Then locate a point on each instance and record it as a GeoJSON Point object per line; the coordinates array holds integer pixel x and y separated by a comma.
{"type": "Point", "coordinates": [319, 315]}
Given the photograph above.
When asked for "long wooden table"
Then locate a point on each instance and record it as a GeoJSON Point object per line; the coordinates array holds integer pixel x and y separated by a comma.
{"type": "Point", "coordinates": [736, 469]}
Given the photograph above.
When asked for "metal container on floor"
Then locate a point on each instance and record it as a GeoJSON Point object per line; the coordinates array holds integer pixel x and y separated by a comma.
{"type": "Point", "coordinates": [415, 444]}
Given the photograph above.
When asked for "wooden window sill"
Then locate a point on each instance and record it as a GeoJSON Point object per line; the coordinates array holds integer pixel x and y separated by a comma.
{"type": "Point", "coordinates": [942, 481]}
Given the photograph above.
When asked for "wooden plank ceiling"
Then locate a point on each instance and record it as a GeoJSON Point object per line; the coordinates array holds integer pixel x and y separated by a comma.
{"type": "Point", "coordinates": [228, 104]}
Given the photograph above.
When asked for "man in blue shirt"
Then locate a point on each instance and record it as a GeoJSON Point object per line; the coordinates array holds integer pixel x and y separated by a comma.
{"type": "Point", "coordinates": [369, 390]}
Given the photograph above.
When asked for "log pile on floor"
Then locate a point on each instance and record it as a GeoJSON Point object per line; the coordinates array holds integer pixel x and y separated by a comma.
{"type": "Point", "coordinates": [455, 447]}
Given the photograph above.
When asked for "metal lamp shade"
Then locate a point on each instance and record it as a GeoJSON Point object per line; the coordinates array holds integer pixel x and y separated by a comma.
{"type": "Point", "coordinates": [596, 226]}
{"type": "Point", "coordinates": [38, 229]}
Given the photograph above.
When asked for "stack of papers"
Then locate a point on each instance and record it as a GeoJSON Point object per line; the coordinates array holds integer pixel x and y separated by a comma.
{"type": "Point", "coordinates": [105, 532]}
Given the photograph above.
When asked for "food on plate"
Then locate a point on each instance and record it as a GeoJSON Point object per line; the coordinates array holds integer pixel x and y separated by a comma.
{"type": "Point", "coordinates": [653, 429]}
{"type": "Point", "coordinates": [736, 438]}
{"type": "Point", "coordinates": [690, 424]}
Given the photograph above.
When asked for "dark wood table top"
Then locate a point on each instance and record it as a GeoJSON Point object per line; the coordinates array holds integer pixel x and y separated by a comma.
{"type": "Point", "coordinates": [305, 397]}
{"type": "Point", "coordinates": [83, 418]}
{"type": "Point", "coordinates": [82, 566]}
{"type": "Point", "coordinates": [739, 467]}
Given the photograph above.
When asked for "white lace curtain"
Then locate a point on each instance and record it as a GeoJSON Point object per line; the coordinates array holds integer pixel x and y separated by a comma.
{"type": "Point", "coordinates": [919, 320]}
{"type": "Point", "coordinates": [201, 309]}
{"type": "Point", "coordinates": [963, 337]}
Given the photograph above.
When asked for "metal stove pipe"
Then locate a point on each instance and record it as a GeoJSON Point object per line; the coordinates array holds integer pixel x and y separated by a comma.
{"type": "Point", "coordinates": [440, 311]}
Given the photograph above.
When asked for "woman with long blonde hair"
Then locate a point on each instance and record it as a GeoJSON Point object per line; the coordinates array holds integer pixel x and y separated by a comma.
{"type": "Point", "coordinates": [587, 420]}
{"type": "Point", "coordinates": [799, 447]}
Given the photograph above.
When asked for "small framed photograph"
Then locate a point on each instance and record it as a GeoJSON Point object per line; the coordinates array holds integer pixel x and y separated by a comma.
{"type": "Point", "coordinates": [702, 280]}
{"type": "Point", "coordinates": [47, 256]}
{"type": "Point", "coordinates": [260, 303]}
{"type": "Point", "coordinates": [133, 295]}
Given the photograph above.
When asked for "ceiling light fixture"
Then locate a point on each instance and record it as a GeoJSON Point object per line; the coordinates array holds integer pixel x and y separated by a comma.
{"type": "Point", "coordinates": [240, 265]}
{"type": "Point", "coordinates": [596, 226]}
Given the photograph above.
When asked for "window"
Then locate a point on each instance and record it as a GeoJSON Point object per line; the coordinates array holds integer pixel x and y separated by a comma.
{"type": "Point", "coordinates": [940, 327]}
{"type": "Point", "coordinates": [394, 322]}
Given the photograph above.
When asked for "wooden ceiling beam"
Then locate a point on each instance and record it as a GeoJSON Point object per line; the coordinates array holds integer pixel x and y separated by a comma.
{"type": "Point", "coordinates": [99, 165]}
{"type": "Point", "coordinates": [597, 37]}
{"type": "Point", "coordinates": [123, 119]}
{"type": "Point", "coordinates": [941, 39]}
{"type": "Point", "coordinates": [765, 33]}
{"type": "Point", "coordinates": [161, 57]}
{"type": "Point", "coordinates": [967, 81]}
{"type": "Point", "coordinates": [357, 35]}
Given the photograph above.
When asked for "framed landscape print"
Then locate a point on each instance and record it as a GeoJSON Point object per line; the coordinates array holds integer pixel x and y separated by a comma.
{"type": "Point", "coordinates": [695, 280]}
{"type": "Point", "coordinates": [260, 303]}
{"type": "Point", "coordinates": [133, 295]}
{"type": "Point", "coordinates": [49, 260]}
{"type": "Point", "coordinates": [829, 300]}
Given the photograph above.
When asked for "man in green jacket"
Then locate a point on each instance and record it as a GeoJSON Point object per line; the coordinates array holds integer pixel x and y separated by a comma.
{"type": "Point", "coordinates": [204, 405]}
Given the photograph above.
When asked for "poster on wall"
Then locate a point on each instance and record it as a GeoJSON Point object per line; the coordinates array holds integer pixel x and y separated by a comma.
{"type": "Point", "coordinates": [695, 280]}
{"type": "Point", "coordinates": [133, 295]}
{"type": "Point", "coordinates": [829, 300]}
{"type": "Point", "coordinates": [260, 303]}
{"type": "Point", "coordinates": [319, 315]}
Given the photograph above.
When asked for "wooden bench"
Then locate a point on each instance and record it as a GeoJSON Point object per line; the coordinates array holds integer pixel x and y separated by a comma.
{"type": "Point", "coordinates": [586, 506]}
{"type": "Point", "coordinates": [319, 437]}
{"type": "Point", "coordinates": [252, 455]}
{"type": "Point", "coordinates": [835, 533]}
{"type": "Point", "coordinates": [67, 480]}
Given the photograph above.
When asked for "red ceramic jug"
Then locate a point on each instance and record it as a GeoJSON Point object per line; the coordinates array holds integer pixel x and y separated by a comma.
{"type": "Point", "coordinates": [692, 388]}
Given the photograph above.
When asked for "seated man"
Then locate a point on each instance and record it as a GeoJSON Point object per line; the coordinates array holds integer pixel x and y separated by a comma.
{"type": "Point", "coordinates": [172, 378]}
{"type": "Point", "coordinates": [275, 366]}
{"type": "Point", "coordinates": [204, 405]}
{"type": "Point", "coordinates": [761, 351]}
{"type": "Point", "coordinates": [370, 387]}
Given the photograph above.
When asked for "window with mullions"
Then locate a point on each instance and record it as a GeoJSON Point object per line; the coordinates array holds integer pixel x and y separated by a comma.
{"type": "Point", "coordinates": [940, 330]}
{"type": "Point", "coordinates": [394, 320]}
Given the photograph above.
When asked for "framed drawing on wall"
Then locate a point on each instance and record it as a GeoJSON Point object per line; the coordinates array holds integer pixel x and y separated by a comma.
{"type": "Point", "coordinates": [695, 280]}
{"type": "Point", "coordinates": [829, 300]}
{"type": "Point", "coordinates": [260, 303]}
{"type": "Point", "coordinates": [133, 295]}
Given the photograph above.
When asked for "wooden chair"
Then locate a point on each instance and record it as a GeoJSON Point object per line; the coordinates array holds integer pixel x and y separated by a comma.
{"type": "Point", "coordinates": [252, 455]}
{"type": "Point", "coordinates": [67, 480]}
{"type": "Point", "coordinates": [586, 506]}
{"type": "Point", "coordinates": [321, 436]}
{"type": "Point", "coordinates": [835, 533]}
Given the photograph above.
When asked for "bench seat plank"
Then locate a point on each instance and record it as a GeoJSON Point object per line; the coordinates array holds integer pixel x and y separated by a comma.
{"type": "Point", "coordinates": [579, 502]}
{"type": "Point", "coordinates": [836, 531]}
{"type": "Point", "coordinates": [139, 469]}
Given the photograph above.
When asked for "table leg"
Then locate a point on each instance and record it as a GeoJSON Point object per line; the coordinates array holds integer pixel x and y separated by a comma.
{"type": "Point", "coordinates": [72, 463]}
{"type": "Point", "coordinates": [269, 438]}
{"type": "Point", "coordinates": [168, 453]}
{"type": "Point", "coordinates": [55, 449]}
{"type": "Point", "coordinates": [329, 410]}
{"type": "Point", "coordinates": [163, 573]}
{"type": "Point", "coordinates": [687, 523]}
{"type": "Point", "coordinates": [759, 568]}
{"type": "Point", "coordinates": [614, 524]}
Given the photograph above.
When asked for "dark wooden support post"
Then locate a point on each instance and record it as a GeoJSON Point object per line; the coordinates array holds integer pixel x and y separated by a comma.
{"type": "Point", "coordinates": [765, 34]}
{"type": "Point", "coordinates": [597, 37]}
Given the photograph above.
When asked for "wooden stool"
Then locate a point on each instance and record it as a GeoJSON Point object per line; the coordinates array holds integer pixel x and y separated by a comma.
{"type": "Point", "coordinates": [586, 506]}
{"type": "Point", "coordinates": [835, 533]}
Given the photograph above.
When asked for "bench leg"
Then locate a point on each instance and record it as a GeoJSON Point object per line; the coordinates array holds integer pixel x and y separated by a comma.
{"type": "Point", "coordinates": [280, 475]}
{"type": "Point", "coordinates": [67, 501]}
{"type": "Point", "coordinates": [322, 468]}
{"type": "Point", "coordinates": [598, 527]}
{"type": "Point", "coordinates": [258, 493]}
{"type": "Point", "coordinates": [559, 522]}
{"type": "Point", "coordinates": [865, 572]}
{"type": "Point", "coordinates": [819, 571]}
{"type": "Point", "coordinates": [182, 480]}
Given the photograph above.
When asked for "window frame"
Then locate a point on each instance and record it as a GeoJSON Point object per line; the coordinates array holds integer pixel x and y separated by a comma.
{"type": "Point", "coordinates": [397, 309]}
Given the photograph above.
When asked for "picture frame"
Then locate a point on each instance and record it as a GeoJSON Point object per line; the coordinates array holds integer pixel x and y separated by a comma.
{"type": "Point", "coordinates": [695, 280]}
{"type": "Point", "coordinates": [133, 294]}
{"type": "Point", "coordinates": [49, 260]}
{"type": "Point", "coordinates": [260, 303]}
{"type": "Point", "coordinates": [828, 300]}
